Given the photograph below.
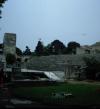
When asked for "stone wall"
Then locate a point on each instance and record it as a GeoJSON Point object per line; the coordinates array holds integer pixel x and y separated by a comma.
{"type": "Point", "coordinates": [9, 43]}
{"type": "Point", "coordinates": [55, 62]}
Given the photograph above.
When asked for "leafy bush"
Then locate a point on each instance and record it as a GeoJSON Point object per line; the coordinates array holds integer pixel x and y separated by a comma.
{"type": "Point", "coordinates": [10, 58]}
{"type": "Point", "coordinates": [92, 67]}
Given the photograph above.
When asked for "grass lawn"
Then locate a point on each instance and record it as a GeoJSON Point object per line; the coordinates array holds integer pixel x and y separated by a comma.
{"type": "Point", "coordinates": [83, 94]}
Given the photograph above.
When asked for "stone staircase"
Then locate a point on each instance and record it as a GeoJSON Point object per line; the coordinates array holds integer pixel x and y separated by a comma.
{"type": "Point", "coordinates": [55, 62]}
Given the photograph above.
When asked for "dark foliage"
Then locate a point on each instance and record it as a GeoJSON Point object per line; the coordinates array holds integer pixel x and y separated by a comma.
{"type": "Point", "coordinates": [72, 47]}
{"type": "Point", "coordinates": [18, 59]}
{"type": "Point", "coordinates": [39, 51]}
{"type": "Point", "coordinates": [47, 50]}
{"type": "Point", "coordinates": [10, 58]}
{"type": "Point", "coordinates": [57, 47]}
{"type": "Point", "coordinates": [1, 5]}
{"type": "Point", "coordinates": [27, 51]}
{"type": "Point", "coordinates": [1, 2]}
{"type": "Point", "coordinates": [1, 46]}
{"type": "Point", "coordinates": [92, 67]}
{"type": "Point", "coordinates": [18, 51]}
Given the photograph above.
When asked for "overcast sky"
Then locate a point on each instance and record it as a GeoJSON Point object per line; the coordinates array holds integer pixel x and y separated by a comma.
{"type": "Point", "coordinates": [66, 20]}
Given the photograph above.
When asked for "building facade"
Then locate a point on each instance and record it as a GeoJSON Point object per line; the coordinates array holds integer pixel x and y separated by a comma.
{"type": "Point", "coordinates": [93, 49]}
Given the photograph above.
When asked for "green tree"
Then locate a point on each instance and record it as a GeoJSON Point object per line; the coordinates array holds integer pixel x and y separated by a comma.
{"type": "Point", "coordinates": [18, 60]}
{"type": "Point", "coordinates": [10, 59]}
{"type": "Point", "coordinates": [39, 50]}
{"type": "Point", "coordinates": [1, 2]}
{"type": "Point", "coordinates": [57, 47]}
{"type": "Point", "coordinates": [71, 49]}
{"type": "Point", "coordinates": [27, 51]}
{"type": "Point", "coordinates": [1, 5]}
{"type": "Point", "coordinates": [18, 51]}
{"type": "Point", "coordinates": [47, 50]}
{"type": "Point", "coordinates": [92, 67]}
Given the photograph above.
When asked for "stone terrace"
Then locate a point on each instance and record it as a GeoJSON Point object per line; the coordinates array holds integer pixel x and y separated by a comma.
{"type": "Point", "coordinates": [53, 62]}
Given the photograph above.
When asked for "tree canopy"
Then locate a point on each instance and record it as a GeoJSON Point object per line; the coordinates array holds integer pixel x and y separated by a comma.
{"type": "Point", "coordinates": [18, 51]}
{"type": "Point", "coordinates": [1, 2]}
{"type": "Point", "coordinates": [39, 50]}
{"type": "Point", "coordinates": [1, 5]}
{"type": "Point", "coordinates": [27, 51]}
{"type": "Point", "coordinates": [57, 47]}
{"type": "Point", "coordinates": [72, 47]}
{"type": "Point", "coordinates": [92, 67]}
{"type": "Point", "coordinates": [10, 59]}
